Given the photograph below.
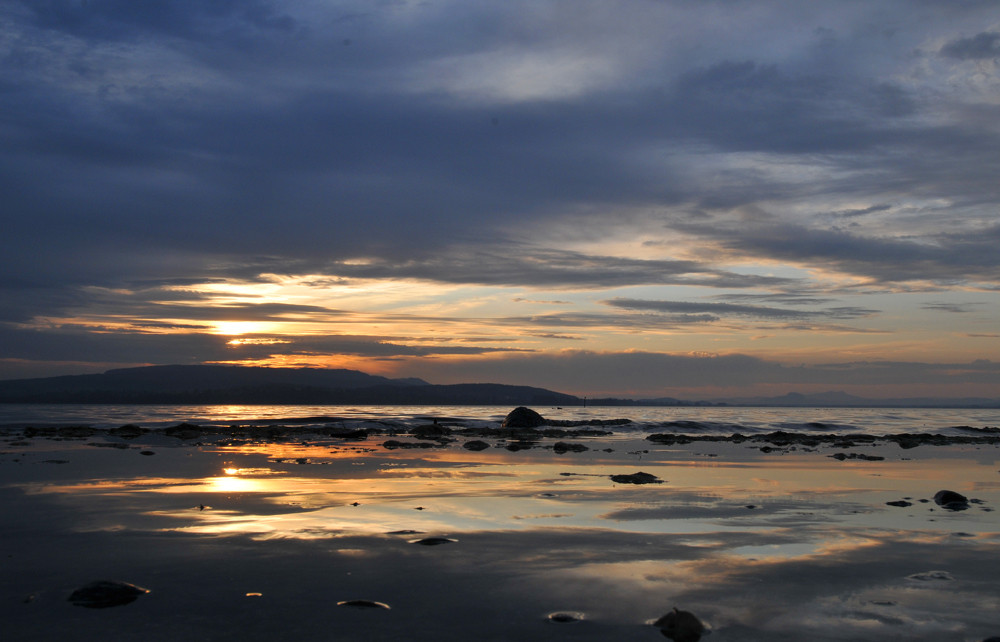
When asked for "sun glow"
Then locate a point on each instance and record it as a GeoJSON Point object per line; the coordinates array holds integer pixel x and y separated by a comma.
{"type": "Point", "coordinates": [236, 328]}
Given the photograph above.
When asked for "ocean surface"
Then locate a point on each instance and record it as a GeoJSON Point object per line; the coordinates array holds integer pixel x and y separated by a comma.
{"type": "Point", "coordinates": [643, 419]}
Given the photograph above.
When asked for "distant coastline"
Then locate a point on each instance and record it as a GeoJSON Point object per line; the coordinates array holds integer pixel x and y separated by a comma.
{"type": "Point", "coordinates": [211, 384]}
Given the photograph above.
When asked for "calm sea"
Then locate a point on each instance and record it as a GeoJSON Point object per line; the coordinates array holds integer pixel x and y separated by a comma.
{"type": "Point", "coordinates": [690, 420]}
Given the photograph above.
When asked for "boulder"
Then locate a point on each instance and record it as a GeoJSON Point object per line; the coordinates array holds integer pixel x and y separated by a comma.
{"type": "Point", "coordinates": [522, 417]}
{"type": "Point", "coordinates": [104, 593]}
{"type": "Point", "coordinates": [680, 626]}
{"type": "Point", "coordinates": [950, 500]}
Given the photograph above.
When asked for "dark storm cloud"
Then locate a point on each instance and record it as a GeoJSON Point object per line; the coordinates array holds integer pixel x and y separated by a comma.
{"type": "Point", "coordinates": [124, 20]}
{"type": "Point", "coordinates": [980, 46]}
{"type": "Point", "coordinates": [553, 268]}
{"type": "Point", "coordinates": [952, 257]}
{"type": "Point", "coordinates": [68, 344]}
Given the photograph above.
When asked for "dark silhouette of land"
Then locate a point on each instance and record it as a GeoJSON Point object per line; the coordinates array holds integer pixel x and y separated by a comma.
{"type": "Point", "coordinates": [216, 384]}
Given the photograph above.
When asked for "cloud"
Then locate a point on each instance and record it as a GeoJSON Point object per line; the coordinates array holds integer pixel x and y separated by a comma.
{"type": "Point", "coordinates": [983, 45]}
{"type": "Point", "coordinates": [769, 161]}
{"type": "Point", "coordinates": [732, 309]}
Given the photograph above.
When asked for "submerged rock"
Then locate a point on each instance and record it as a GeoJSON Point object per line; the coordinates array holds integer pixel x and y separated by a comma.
{"type": "Point", "coordinates": [636, 478]}
{"type": "Point", "coordinates": [522, 417]}
{"type": "Point", "coordinates": [475, 445]}
{"type": "Point", "coordinates": [105, 593]}
{"type": "Point", "coordinates": [680, 626]}
{"type": "Point", "coordinates": [950, 500]}
{"type": "Point", "coordinates": [902, 503]}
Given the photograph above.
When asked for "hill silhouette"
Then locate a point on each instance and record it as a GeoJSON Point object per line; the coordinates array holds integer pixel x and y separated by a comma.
{"type": "Point", "coordinates": [208, 384]}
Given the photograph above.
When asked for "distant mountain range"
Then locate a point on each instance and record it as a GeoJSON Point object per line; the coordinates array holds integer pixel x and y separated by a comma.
{"type": "Point", "coordinates": [207, 384]}
{"type": "Point", "coordinates": [253, 385]}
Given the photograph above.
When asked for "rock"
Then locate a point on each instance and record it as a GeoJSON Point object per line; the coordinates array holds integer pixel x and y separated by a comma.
{"type": "Point", "coordinates": [475, 445]}
{"type": "Point", "coordinates": [104, 593]}
{"type": "Point", "coordinates": [636, 478]}
{"type": "Point", "coordinates": [183, 431]}
{"type": "Point", "coordinates": [522, 417]}
{"type": "Point", "coordinates": [950, 500]}
{"type": "Point", "coordinates": [680, 626]}
{"type": "Point", "coordinates": [932, 576]}
{"type": "Point", "coordinates": [561, 447]}
{"type": "Point", "coordinates": [431, 431]}
{"type": "Point", "coordinates": [364, 604]}
{"type": "Point", "coordinates": [128, 431]}
{"type": "Point", "coordinates": [433, 541]}
{"type": "Point", "coordinates": [902, 503]}
{"type": "Point", "coordinates": [565, 616]}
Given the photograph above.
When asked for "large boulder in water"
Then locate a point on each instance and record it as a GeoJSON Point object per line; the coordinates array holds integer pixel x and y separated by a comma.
{"type": "Point", "coordinates": [950, 500]}
{"type": "Point", "coordinates": [522, 417]}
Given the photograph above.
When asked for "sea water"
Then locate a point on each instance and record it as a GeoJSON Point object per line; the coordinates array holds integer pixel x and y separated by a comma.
{"type": "Point", "coordinates": [708, 420]}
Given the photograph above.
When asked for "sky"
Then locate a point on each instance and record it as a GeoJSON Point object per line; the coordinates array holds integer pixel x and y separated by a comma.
{"type": "Point", "coordinates": [686, 198]}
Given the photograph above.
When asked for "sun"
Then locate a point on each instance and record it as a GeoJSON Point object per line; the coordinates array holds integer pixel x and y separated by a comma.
{"type": "Point", "coordinates": [237, 328]}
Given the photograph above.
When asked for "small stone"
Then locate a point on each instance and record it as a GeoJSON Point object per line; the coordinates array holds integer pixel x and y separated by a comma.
{"type": "Point", "coordinates": [104, 593]}
{"type": "Point", "coordinates": [475, 445]}
{"type": "Point", "coordinates": [902, 503]}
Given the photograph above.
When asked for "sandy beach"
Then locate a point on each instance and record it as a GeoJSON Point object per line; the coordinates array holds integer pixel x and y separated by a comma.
{"type": "Point", "coordinates": [269, 534]}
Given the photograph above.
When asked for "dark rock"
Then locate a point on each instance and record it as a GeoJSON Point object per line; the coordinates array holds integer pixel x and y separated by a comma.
{"type": "Point", "coordinates": [863, 457]}
{"type": "Point", "coordinates": [146, 452]}
{"type": "Point", "coordinates": [561, 447]}
{"type": "Point", "coordinates": [680, 626]}
{"type": "Point", "coordinates": [434, 541]}
{"type": "Point", "coordinates": [128, 431]}
{"type": "Point", "coordinates": [104, 593]}
{"type": "Point", "coordinates": [348, 433]}
{"type": "Point", "coordinates": [902, 503]}
{"type": "Point", "coordinates": [565, 616]}
{"type": "Point", "coordinates": [393, 444]}
{"type": "Point", "coordinates": [364, 604]}
{"type": "Point", "coordinates": [183, 431]}
{"type": "Point", "coordinates": [636, 478]}
{"type": "Point", "coordinates": [950, 500]}
{"type": "Point", "coordinates": [431, 431]}
{"type": "Point", "coordinates": [522, 417]}
{"type": "Point", "coordinates": [475, 445]}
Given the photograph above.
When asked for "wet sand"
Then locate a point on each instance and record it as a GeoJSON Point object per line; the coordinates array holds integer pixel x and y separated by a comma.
{"type": "Point", "coordinates": [262, 534]}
